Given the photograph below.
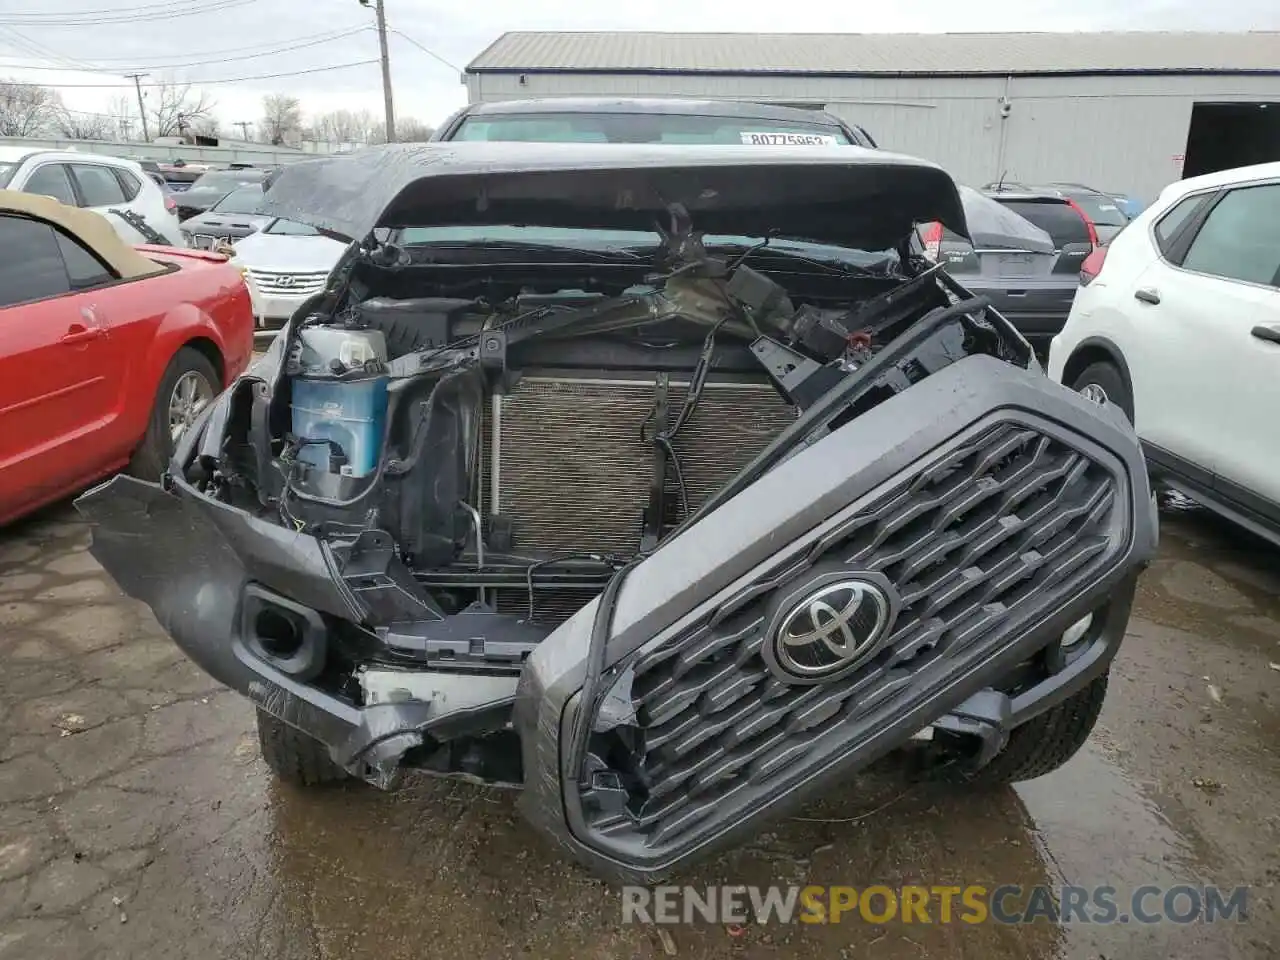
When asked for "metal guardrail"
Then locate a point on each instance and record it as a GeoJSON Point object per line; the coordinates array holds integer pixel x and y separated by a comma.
{"type": "Point", "coordinates": [258, 154]}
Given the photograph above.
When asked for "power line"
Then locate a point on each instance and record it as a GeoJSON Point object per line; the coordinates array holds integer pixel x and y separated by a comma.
{"type": "Point", "coordinates": [192, 63]}
{"type": "Point", "coordinates": [165, 4]}
{"type": "Point", "coordinates": [429, 53]}
{"type": "Point", "coordinates": [105, 17]}
{"type": "Point", "coordinates": [194, 83]}
{"type": "Point", "coordinates": [25, 44]}
{"type": "Point", "coordinates": [240, 48]}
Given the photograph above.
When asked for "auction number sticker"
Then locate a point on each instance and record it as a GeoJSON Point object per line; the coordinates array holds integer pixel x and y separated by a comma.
{"type": "Point", "coordinates": [788, 140]}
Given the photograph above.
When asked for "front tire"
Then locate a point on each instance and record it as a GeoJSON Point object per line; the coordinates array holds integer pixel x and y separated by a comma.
{"type": "Point", "coordinates": [1103, 383]}
{"type": "Point", "coordinates": [1046, 742]}
{"type": "Point", "coordinates": [188, 386]}
{"type": "Point", "coordinates": [293, 756]}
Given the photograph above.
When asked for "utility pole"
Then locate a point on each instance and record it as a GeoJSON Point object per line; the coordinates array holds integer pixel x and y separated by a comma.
{"type": "Point", "coordinates": [386, 68]}
{"type": "Point", "coordinates": [244, 127]}
{"type": "Point", "coordinates": [142, 109]}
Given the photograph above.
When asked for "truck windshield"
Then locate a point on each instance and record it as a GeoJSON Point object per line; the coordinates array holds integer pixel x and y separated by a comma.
{"type": "Point", "coordinates": [642, 128]}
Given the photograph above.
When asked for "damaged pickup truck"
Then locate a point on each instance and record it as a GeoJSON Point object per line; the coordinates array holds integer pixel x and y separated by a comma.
{"type": "Point", "coordinates": [670, 484]}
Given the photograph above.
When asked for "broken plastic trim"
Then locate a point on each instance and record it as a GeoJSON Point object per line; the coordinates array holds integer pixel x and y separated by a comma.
{"type": "Point", "coordinates": [601, 629]}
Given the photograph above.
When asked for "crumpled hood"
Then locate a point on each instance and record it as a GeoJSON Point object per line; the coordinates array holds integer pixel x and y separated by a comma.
{"type": "Point", "coordinates": [844, 195]}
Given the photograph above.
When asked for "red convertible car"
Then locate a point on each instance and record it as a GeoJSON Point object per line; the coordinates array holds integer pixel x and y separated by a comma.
{"type": "Point", "coordinates": [107, 352]}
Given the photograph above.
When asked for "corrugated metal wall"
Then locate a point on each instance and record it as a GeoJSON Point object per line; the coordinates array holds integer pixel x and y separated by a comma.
{"type": "Point", "coordinates": [1118, 132]}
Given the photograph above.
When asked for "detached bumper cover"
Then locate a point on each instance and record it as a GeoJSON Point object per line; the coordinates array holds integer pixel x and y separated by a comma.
{"type": "Point", "coordinates": [999, 508]}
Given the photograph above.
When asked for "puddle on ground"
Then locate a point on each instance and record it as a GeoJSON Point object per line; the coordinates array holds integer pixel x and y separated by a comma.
{"type": "Point", "coordinates": [1095, 825]}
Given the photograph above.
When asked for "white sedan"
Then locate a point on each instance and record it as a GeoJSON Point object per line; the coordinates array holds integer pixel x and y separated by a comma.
{"type": "Point", "coordinates": [1177, 322]}
{"type": "Point", "coordinates": [284, 264]}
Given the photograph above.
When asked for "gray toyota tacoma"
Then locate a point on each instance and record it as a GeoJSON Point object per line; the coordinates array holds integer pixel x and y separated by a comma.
{"type": "Point", "coordinates": [669, 484]}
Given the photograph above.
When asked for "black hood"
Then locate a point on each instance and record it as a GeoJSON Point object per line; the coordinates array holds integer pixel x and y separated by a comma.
{"type": "Point", "coordinates": [843, 195]}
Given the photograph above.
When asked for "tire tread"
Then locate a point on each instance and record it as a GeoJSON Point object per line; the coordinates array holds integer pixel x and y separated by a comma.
{"type": "Point", "coordinates": [294, 756]}
{"type": "Point", "coordinates": [1045, 743]}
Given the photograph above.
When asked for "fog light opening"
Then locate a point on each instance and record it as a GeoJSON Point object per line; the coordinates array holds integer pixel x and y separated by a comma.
{"type": "Point", "coordinates": [278, 634]}
{"type": "Point", "coordinates": [1077, 631]}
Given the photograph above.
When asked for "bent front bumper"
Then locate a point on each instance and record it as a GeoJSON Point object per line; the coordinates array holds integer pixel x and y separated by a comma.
{"type": "Point", "coordinates": [998, 509]}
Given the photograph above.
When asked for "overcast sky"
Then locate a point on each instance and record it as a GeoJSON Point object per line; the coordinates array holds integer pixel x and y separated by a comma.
{"type": "Point", "coordinates": [117, 36]}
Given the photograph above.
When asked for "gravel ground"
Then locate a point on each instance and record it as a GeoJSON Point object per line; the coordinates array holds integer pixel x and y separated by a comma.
{"type": "Point", "coordinates": [137, 819]}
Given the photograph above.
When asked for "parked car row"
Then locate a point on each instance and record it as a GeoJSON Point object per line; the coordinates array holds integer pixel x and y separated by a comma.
{"type": "Point", "coordinates": [136, 207]}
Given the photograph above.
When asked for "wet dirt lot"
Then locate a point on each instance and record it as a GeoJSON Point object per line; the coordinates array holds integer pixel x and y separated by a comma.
{"type": "Point", "coordinates": [137, 819]}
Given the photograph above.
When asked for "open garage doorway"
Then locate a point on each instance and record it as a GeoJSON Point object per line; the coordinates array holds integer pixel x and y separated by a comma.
{"type": "Point", "coordinates": [1226, 135]}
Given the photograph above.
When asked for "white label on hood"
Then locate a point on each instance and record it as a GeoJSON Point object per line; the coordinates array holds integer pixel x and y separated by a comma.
{"type": "Point", "coordinates": [788, 140]}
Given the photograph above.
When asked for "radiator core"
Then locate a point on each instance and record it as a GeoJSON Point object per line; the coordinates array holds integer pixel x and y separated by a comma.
{"type": "Point", "coordinates": [565, 461]}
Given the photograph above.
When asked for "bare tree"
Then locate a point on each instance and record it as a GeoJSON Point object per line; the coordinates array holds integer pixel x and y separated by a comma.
{"type": "Point", "coordinates": [343, 126]}
{"type": "Point", "coordinates": [408, 130]}
{"type": "Point", "coordinates": [207, 127]}
{"type": "Point", "coordinates": [27, 110]}
{"type": "Point", "coordinates": [412, 130]}
{"type": "Point", "coordinates": [76, 125]}
{"type": "Point", "coordinates": [281, 118]}
{"type": "Point", "coordinates": [173, 108]}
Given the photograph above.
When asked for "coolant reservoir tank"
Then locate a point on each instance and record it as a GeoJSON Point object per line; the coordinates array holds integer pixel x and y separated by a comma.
{"type": "Point", "coordinates": [340, 399]}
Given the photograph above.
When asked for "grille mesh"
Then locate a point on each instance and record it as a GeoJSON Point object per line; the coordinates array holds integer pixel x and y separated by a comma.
{"type": "Point", "coordinates": [1012, 515]}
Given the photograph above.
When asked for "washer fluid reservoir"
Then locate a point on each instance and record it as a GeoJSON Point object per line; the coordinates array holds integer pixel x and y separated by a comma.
{"type": "Point", "coordinates": [340, 399]}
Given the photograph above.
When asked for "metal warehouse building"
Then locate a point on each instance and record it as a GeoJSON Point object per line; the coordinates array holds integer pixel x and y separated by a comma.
{"type": "Point", "coordinates": [1120, 111]}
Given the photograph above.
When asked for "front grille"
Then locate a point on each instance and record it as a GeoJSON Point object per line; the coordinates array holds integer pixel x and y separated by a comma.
{"type": "Point", "coordinates": [1010, 517]}
{"type": "Point", "coordinates": [288, 283]}
{"type": "Point", "coordinates": [567, 465]}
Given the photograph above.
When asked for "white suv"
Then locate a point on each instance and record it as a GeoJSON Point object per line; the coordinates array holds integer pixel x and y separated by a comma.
{"type": "Point", "coordinates": [1177, 322]}
{"type": "Point", "coordinates": [103, 184]}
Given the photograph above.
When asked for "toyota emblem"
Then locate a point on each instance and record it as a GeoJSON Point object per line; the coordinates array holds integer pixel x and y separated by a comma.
{"type": "Point", "coordinates": [830, 630]}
